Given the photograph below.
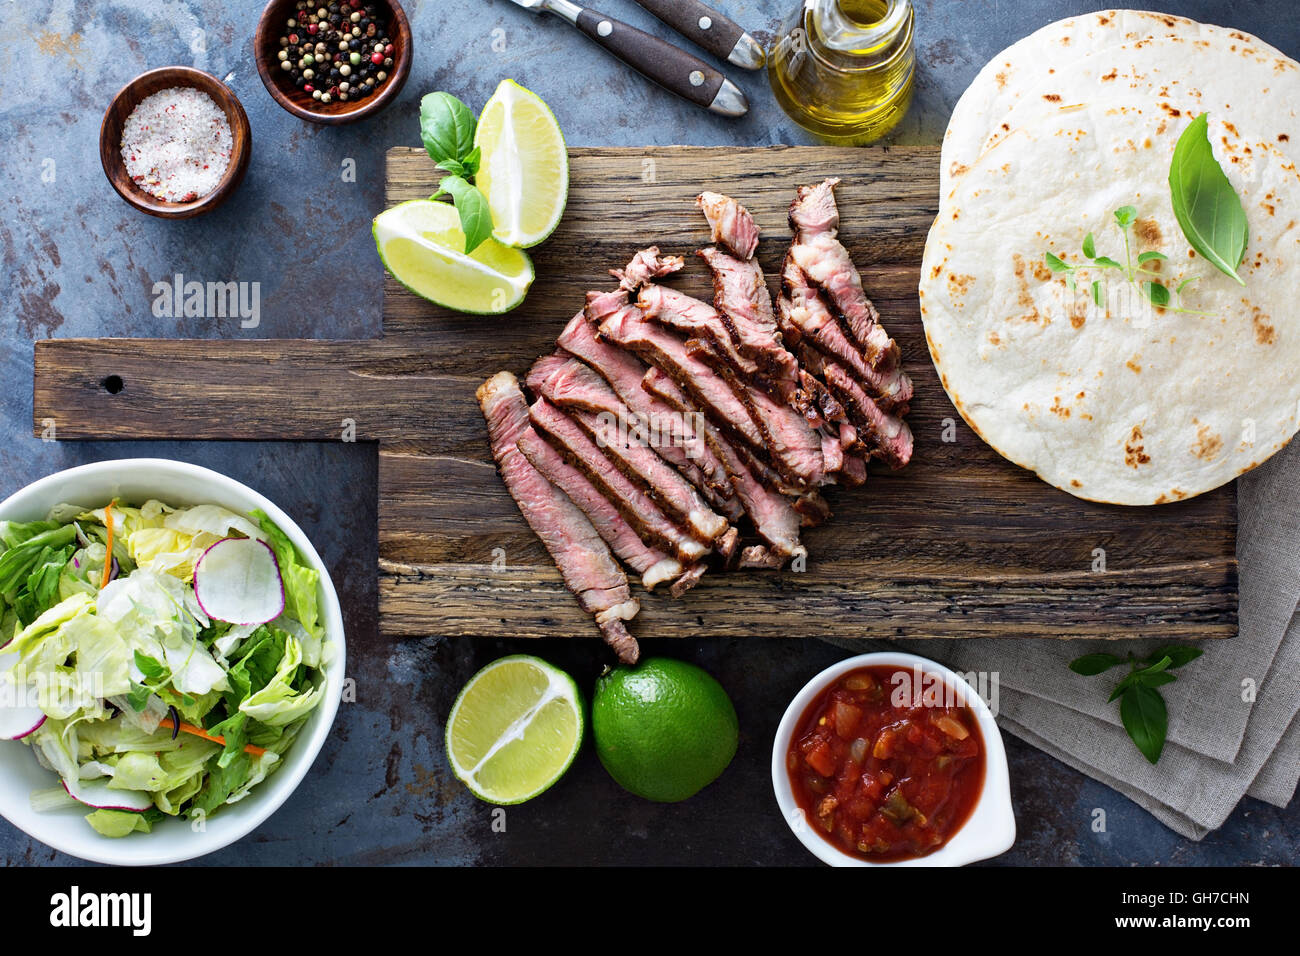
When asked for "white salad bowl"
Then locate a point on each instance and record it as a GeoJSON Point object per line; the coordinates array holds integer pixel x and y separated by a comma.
{"type": "Point", "coordinates": [175, 483]}
{"type": "Point", "coordinates": [991, 828]}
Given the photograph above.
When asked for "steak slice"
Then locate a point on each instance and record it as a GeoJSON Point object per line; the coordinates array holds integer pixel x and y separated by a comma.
{"type": "Point", "coordinates": [742, 299]}
{"type": "Point", "coordinates": [886, 436]}
{"type": "Point", "coordinates": [625, 440]}
{"type": "Point", "coordinates": [823, 258]}
{"type": "Point", "coordinates": [640, 510]}
{"type": "Point", "coordinates": [652, 564]}
{"type": "Point", "coordinates": [774, 518]}
{"type": "Point", "coordinates": [584, 560]}
{"type": "Point", "coordinates": [693, 318]}
{"type": "Point", "coordinates": [730, 224]}
{"type": "Point", "coordinates": [645, 266]}
{"type": "Point", "coordinates": [802, 309]}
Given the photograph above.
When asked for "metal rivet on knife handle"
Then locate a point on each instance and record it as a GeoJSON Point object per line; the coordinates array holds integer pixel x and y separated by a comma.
{"type": "Point", "coordinates": [702, 24]}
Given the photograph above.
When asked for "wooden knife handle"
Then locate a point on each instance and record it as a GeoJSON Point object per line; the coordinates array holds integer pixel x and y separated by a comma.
{"type": "Point", "coordinates": [671, 67]}
{"type": "Point", "coordinates": [700, 24]}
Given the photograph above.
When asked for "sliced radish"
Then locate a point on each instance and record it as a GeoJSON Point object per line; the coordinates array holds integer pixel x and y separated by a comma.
{"type": "Point", "coordinates": [96, 793]}
{"type": "Point", "coordinates": [19, 715]}
{"type": "Point", "coordinates": [237, 580]}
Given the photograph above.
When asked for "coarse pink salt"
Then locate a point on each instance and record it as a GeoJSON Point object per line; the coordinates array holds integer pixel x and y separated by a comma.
{"type": "Point", "coordinates": [177, 144]}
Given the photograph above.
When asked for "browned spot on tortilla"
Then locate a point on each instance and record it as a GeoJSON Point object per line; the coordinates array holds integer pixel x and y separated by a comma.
{"type": "Point", "coordinates": [1103, 20]}
{"type": "Point", "coordinates": [1052, 97]}
{"type": "Point", "coordinates": [1171, 110]}
{"type": "Point", "coordinates": [1178, 493]}
{"type": "Point", "coordinates": [1134, 451]}
{"type": "Point", "coordinates": [1080, 395]}
{"type": "Point", "coordinates": [934, 273]}
{"type": "Point", "coordinates": [1272, 210]}
{"type": "Point", "coordinates": [1078, 314]}
{"type": "Point", "coordinates": [1169, 21]}
{"type": "Point", "coordinates": [1025, 300]}
{"type": "Point", "coordinates": [1002, 80]}
{"type": "Point", "coordinates": [1074, 483]}
{"type": "Point", "coordinates": [993, 339]}
{"type": "Point", "coordinates": [959, 285]}
{"type": "Point", "coordinates": [958, 169]}
{"type": "Point", "coordinates": [1164, 125]}
{"type": "Point", "coordinates": [1006, 127]}
{"type": "Point", "coordinates": [1058, 409]}
{"type": "Point", "coordinates": [1265, 334]}
{"type": "Point", "coordinates": [1283, 138]}
{"type": "Point", "coordinates": [1162, 499]}
{"type": "Point", "coordinates": [1111, 75]}
{"type": "Point", "coordinates": [1230, 128]}
{"type": "Point", "coordinates": [1041, 272]}
{"type": "Point", "coordinates": [1134, 366]}
{"type": "Point", "coordinates": [1148, 233]}
{"type": "Point", "coordinates": [1208, 444]}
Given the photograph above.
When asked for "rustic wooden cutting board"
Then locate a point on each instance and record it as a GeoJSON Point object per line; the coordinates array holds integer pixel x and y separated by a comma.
{"type": "Point", "coordinates": [959, 544]}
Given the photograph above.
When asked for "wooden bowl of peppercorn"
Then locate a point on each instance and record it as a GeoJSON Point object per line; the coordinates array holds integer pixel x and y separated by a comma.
{"type": "Point", "coordinates": [333, 61]}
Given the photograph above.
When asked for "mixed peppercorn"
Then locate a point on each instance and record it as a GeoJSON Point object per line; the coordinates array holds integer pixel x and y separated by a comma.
{"type": "Point", "coordinates": [339, 51]}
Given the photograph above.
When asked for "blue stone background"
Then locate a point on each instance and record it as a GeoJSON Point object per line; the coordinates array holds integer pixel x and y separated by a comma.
{"type": "Point", "coordinates": [78, 262]}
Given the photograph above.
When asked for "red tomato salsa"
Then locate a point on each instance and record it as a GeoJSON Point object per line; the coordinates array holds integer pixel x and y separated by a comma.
{"type": "Point", "coordinates": [886, 763]}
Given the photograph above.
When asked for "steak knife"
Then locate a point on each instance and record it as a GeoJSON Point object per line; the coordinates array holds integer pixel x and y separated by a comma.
{"type": "Point", "coordinates": [671, 67]}
{"type": "Point", "coordinates": [710, 30]}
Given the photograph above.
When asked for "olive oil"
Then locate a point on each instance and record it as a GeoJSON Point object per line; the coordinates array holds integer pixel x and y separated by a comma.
{"type": "Point", "coordinates": [844, 69]}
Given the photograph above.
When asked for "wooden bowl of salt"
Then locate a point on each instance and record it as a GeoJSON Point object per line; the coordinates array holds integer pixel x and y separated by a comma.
{"type": "Point", "coordinates": [175, 142]}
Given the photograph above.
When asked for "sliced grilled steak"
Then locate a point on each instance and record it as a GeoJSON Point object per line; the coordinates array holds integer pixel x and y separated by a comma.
{"type": "Point", "coordinates": [694, 319]}
{"type": "Point", "coordinates": [774, 518]}
{"type": "Point", "coordinates": [731, 224]}
{"type": "Point", "coordinates": [819, 253]}
{"type": "Point", "coordinates": [802, 309]}
{"type": "Point", "coordinates": [645, 266]}
{"type": "Point", "coordinates": [584, 560]}
{"type": "Point", "coordinates": [886, 436]}
{"type": "Point", "coordinates": [636, 505]}
{"type": "Point", "coordinates": [742, 299]}
{"type": "Point", "coordinates": [652, 564]}
{"type": "Point", "coordinates": [680, 440]}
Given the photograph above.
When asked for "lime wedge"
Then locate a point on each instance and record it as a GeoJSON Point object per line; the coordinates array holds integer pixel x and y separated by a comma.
{"type": "Point", "coordinates": [421, 244]}
{"type": "Point", "coordinates": [524, 171]}
{"type": "Point", "coordinates": [515, 729]}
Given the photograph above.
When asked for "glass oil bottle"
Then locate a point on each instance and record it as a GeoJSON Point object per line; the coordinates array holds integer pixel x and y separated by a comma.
{"type": "Point", "coordinates": [844, 69]}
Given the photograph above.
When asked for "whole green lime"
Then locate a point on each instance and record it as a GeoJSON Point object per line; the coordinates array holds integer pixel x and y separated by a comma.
{"type": "Point", "coordinates": [664, 729]}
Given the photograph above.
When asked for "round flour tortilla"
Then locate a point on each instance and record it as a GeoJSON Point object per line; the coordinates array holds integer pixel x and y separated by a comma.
{"type": "Point", "coordinates": [1121, 403]}
{"type": "Point", "coordinates": [1192, 75]}
{"type": "Point", "coordinates": [1047, 58]}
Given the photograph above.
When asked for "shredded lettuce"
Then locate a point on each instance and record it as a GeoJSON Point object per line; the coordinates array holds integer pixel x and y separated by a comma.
{"type": "Point", "coordinates": [132, 674]}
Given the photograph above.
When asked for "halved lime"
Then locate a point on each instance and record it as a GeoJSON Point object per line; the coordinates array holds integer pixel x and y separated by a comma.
{"type": "Point", "coordinates": [515, 729]}
{"type": "Point", "coordinates": [524, 171]}
{"type": "Point", "coordinates": [421, 244]}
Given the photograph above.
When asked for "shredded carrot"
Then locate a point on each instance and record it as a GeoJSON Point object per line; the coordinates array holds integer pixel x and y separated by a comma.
{"type": "Point", "coordinates": [215, 738]}
{"type": "Point", "coordinates": [108, 555]}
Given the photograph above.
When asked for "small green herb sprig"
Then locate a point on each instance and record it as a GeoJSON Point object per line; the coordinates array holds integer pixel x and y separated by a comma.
{"type": "Point", "coordinates": [1139, 274]}
{"type": "Point", "coordinates": [447, 128]}
{"type": "Point", "coordinates": [1141, 706]}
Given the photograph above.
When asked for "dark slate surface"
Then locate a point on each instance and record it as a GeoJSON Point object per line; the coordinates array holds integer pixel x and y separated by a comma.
{"type": "Point", "coordinates": [78, 262]}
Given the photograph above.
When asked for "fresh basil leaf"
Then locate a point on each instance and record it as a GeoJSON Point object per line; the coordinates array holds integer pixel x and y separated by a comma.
{"type": "Point", "coordinates": [475, 216]}
{"type": "Point", "coordinates": [446, 127]}
{"type": "Point", "coordinates": [453, 166]}
{"type": "Point", "coordinates": [1184, 284]}
{"type": "Point", "coordinates": [1055, 263]}
{"type": "Point", "coordinates": [1145, 718]}
{"type": "Point", "coordinates": [1090, 665]}
{"type": "Point", "coordinates": [1149, 256]}
{"type": "Point", "coordinates": [472, 160]}
{"type": "Point", "coordinates": [1206, 205]}
{"type": "Point", "coordinates": [1096, 294]}
{"type": "Point", "coordinates": [1160, 665]}
{"type": "Point", "coordinates": [138, 698]}
{"type": "Point", "coordinates": [1126, 216]}
{"type": "Point", "coordinates": [1156, 680]}
{"type": "Point", "coordinates": [1122, 686]}
{"type": "Point", "coordinates": [1090, 246]}
{"type": "Point", "coordinates": [1106, 262]}
{"type": "Point", "coordinates": [1157, 293]}
{"type": "Point", "coordinates": [1178, 654]}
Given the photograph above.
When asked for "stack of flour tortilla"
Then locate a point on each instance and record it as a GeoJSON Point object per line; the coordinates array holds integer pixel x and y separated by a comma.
{"type": "Point", "coordinates": [1120, 401]}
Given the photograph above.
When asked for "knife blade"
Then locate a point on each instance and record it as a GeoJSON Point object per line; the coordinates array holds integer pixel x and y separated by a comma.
{"type": "Point", "coordinates": [710, 30]}
{"type": "Point", "coordinates": [671, 67]}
